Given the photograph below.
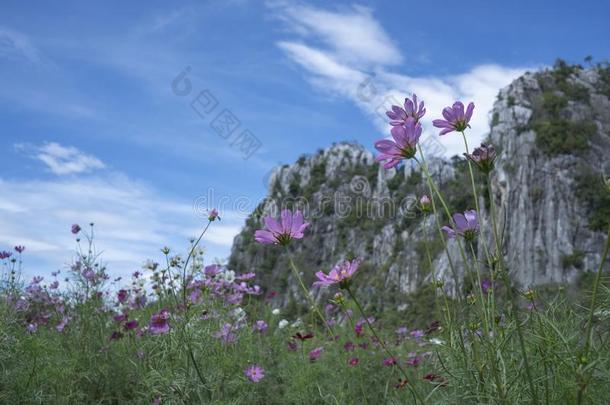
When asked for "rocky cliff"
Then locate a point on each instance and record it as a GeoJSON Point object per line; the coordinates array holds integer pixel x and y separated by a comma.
{"type": "Point", "coordinates": [552, 131]}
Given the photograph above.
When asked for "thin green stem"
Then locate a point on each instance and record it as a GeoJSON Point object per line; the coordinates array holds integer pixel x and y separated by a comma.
{"type": "Point", "coordinates": [589, 331]}
{"type": "Point", "coordinates": [385, 348]}
{"type": "Point", "coordinates": [187, 340]}
{"type": "Point", "coordinates": [509, 290]}
{"type": "Point", "coordinates": [475, 195]}
{"type": "Point", "coordinates": [485, 317]}
{"type": "Point", "coordinates": [313, 305]}
{"type": "Point", "coordinates": [434, 190]}
{"type": "Point", "coordinates": [187, 262]}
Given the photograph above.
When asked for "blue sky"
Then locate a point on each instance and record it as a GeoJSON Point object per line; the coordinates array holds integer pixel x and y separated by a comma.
{"type": "Point", "coordinates": [92, 130]}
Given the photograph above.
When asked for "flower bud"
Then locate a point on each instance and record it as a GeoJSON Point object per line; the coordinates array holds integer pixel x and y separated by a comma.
{"type": "Point", "coordinates": [425, 204]}
{"type": "Point", "coordinates": [213, 215]}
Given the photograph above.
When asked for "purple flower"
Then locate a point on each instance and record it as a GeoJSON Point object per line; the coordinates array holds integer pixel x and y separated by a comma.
{"type": "Point", "coordinates": [133, 324]}
{"type": "Point", "coordinates": [484, 157]}
{"type": "Point", "coordinates": [116, 335]}
{"type": "Point", "coordinates": [353, 361]}
{"type": "Point", "coordinates": [399, 116]}
{"type": "Point", "coordinates": [75, 229]}
{"type": "Point", "coordinates": [291, 226]}
{"type": "Point", "coordinates": [402, 330]}
{"type": "Point", "coordinates": [486, 285]}
{"type": "Point", "coordinates": [31, 327]}
{"type": "Point", "coordinates": [349, 346]}
{"type": "Point", "coordinates": [120, 317]}
{"type": "Point", "coordinates": [455, 118]}
{"type": "Point", "coordinates": [414, 361]}
{"type": "Point", "coordinates": [466, 225]}
{"type": "Point", "coordinates": [213, 215]}
{"type": "Point", "coordinates": [402, 147]}
{"type": "Point", "coordinates": [260, 326]}
{"type": "Point", "coordinates": [159, 322]}
{"type": "Point", "coordinates": [225, 334]}
{"type": "Point", "coordinates": [315, 354]}
{"type": "Point", "coordinates": [359, 328]}
{"type": "Point", "coordinates": [417, 333]}
{"type": "Point", "coordinates": [390, 361]}
{"type": "Point", "coordinates": [211, 270]}
{"type": "Point", "coordinates": [340, 274]}
{"type": "Point", "coordinates": [19, 249]}
{"type": "Point", "coordinates": [5, 255]}
{"type": "Point", "coordinates": [89, 274]}
{"type": "Point", "coordinates": [122, 296]}
{"type": "Point", "coordinates": [54, 285]}
{"type": "Point", "coordinates": [62, 324]}
{"type": "Point", "coordinates": [255, 373]}
{"type": "Point", "coordinates": [245, 276]}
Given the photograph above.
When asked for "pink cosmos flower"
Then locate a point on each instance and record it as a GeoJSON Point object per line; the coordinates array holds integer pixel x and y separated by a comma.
{"type": "Point", "coordinates": [211, 270]}
{"type": "Point", "coordinates": [159, 322]}
{"type": "Point", "coordinates": [226, 334]}
{"type": "Point", "coordinates": [255, 373]}
{"type": "Point", "coordinates": [417, 333]}
{"type": "Point", "coordinates": [399, 116]}
{"type": "Point", "coordinates": [390, 361]}
{"type": "Point", "coordinates": [353, 361]}
{"type": "Point", "coordinates": [315, 354]}
{"type": "Point", "coordinates": [402, 147]}
{"type": "Point", "coordinates": [62, 324]}
{"type": "Point", "coordinates": [291, 226]}
{"type": "Point", "coordinates": [340, 274]}
{"type": "Point", "coordinates": [359, 328]}
{"type": "Point", "coordinates": [260, 326]}
{"type": "Point", "coordinates": [455, 118]}
{"type": "Point", "coordinates": [466, 225]}
{"type": "Point", "coordinates": [414, 361]}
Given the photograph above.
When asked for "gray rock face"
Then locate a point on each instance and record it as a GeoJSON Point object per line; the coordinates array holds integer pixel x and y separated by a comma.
{"type": "Point", "coordinates": [545, 219]}
{"type": "Point", "coordinates": [357, 208]}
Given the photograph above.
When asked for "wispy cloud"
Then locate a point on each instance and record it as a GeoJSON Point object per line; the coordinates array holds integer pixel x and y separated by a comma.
{"type": "Point", "coordinates": [351, 35]}
{"type": "Point", "coordinates": [132, 221]}
{"type": "Point", "coordinates": [338, 66]}
{"type": "Point", "coordinates": [15, 45]}
{"type": "Point", "coordinates": [62, 160]}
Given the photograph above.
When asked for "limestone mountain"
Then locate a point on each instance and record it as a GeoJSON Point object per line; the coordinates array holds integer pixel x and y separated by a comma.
{"type": "Point", "coordinates": [552, 131]}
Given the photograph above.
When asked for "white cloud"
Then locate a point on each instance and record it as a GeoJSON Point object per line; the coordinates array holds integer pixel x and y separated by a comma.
{"type": "Point", "coordinates": [62, 160]}
{"type": "Point", "coordinates": [331, 71]}
{"type": "Point", "coordinates": [132, 221]}
{"type": "Point", "coordinates": [352, 35]}
{"type": "Point", "coordinates": [15, 45]}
